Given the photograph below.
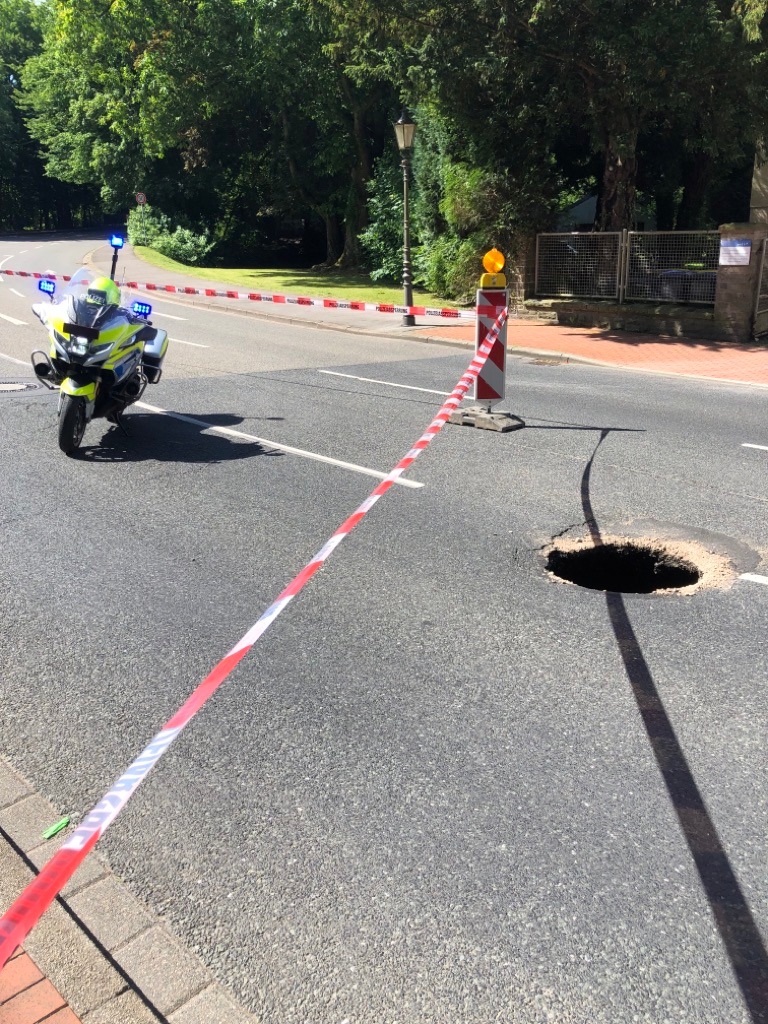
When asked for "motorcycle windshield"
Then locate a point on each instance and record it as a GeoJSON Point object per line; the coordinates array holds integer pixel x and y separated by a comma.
{"type": "Point", "coordinates": [76, 302]}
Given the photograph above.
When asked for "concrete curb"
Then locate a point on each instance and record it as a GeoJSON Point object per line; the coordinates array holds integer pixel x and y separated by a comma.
{"type": "Point", "coordinates": [109, 956]}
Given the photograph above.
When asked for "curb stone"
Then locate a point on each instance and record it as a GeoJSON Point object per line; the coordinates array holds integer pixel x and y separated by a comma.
{"type": "Point", "coordinates": [111, 959]}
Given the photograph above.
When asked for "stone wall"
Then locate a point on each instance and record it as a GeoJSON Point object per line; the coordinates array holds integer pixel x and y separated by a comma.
{"type": "Point", "coordinates": [641, 317]}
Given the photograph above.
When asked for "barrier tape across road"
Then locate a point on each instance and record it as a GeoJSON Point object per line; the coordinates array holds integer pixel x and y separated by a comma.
{"type": "Point", "coordinates": [274, 297]}
{"type": "Point", "coordinates": [27, 910]}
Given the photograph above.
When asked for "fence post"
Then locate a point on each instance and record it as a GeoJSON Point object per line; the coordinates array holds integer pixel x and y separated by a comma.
{"type": "Point", "coordinates": [623, 264]}
{"type": "Point", "coordinates": [738, 279]}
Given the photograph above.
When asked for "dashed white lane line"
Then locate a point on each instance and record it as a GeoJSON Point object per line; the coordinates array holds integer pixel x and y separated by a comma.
{"type": "Point", "coordinates": [227, 431]}
{"type": "Point", "coordinates": [753, 577]}
{"type": "Point", "coordinates": [762, 447]}
{"type": "Point", "coordinates": [388, 383]}
{"type": "Point", "coordinates": [169, 315]}
{"type": "Point", "coordinates": [21, 362]}
{"type": "Point", "coordinates": [192, 344]}
{"type": "Point", "coordinates": [20, 294]}
{"type": "Point", "coordinates": [13, 320]}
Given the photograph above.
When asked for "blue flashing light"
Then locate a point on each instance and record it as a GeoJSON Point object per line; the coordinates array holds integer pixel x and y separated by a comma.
{"type": "Point", "coordinates": [117, 241]}
{"type": "Point", "coordinates": [141, 308]}
{"type": "Point", "coordinates": [47, 286]}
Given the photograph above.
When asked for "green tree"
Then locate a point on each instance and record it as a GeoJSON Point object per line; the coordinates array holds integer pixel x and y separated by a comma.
{"type": "Point", "coordinates": [20, 171]}
{"type": "Point", "coordinates": [222, 110]}
{"type": "Point", "coordinates": [517, 77]}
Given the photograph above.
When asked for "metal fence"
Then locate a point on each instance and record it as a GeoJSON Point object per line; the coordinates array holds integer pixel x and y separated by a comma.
{"type": "Point", "coordinates": [656, 266]}
{"type": "Point", "coordinates": [671, 266]}
{"type": "Point", "coordinates": [583, 264]}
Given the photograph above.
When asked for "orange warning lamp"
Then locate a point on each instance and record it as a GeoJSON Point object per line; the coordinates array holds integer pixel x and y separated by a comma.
{"type": "Point", "coordinates": [493, 261]}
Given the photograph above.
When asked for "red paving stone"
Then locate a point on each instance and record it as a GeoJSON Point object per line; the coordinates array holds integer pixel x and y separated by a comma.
{"type": "Point", "coordinates": [716, 359]}
{"type": "Point", "coordinates": [27, 997]}
{"type": "Point", "coordinates": [64, 1016]}
{"type": "Point", "coordinates": [18, 974]}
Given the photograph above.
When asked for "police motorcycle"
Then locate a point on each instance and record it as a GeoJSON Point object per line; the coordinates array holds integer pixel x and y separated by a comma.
{"type": "Point", "coordinates": [102, 352]}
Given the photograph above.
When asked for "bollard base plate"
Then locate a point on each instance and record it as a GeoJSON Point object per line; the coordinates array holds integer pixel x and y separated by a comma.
{"type": "Point", "coordinates": [483, 419]}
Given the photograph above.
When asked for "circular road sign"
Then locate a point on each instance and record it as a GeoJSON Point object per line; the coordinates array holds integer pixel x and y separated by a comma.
{"type": "Point", "coordinates": [141, 198]}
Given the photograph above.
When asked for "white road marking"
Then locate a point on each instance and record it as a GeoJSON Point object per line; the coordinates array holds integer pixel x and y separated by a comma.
{"type": "Point", "coordinates": [752, 577]}
{"type": "Point", "coordinates": [20, 294]}
{"type": "Point", "coordinates": [388, 383]}
{"type": "Point", "coordinates": [21, 362]}
{"type": "Point", "coordinates": [13, 320]}
{"type": "Point", "coordinates": [178, 341]}
{"type": "Point", "coordinates": [276, 444]}
{"type": "Point", "coordinates": [169, 315]}
{"type": "Point", "coordinates": [22, 251]}
{"type": "Point", "coordinates": [762, 447]}
{"type": "Point", "coordinates": [4, 261]}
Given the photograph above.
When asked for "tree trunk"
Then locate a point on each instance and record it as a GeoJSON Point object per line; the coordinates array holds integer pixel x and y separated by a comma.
{"type": "Point", "coordinates": [356, 216]}
{"type": "Point", "coordinates": [332, 238]}
{"type": "Point", "coordinates": [331, 220]}
{"type": "Point", "coordinates": [350, 257]}
{"type": "Point", "coordinates": [697, 175]}
{"type": "Point", "coordinates": [617, 202]}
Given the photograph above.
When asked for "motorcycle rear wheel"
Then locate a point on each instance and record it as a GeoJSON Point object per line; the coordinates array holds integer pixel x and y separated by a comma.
{"type": "Point", "coordinates": [71, 423]}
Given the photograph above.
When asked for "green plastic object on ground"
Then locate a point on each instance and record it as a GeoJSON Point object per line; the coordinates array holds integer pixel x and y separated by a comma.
{"type": "Point", "coordinates": [55, 829]}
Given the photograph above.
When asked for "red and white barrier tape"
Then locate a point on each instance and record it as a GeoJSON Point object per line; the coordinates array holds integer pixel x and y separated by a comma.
{"type": "Point", "coordinates": [277, 299]}
{"type": "Point", "coordinates": [27, 910]}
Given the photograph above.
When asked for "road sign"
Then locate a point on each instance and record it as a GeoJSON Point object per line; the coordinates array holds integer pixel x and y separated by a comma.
{"type": "Point", "coordinates": [141, 198]}
{"type": "Point", "coordinates": [489, 385]}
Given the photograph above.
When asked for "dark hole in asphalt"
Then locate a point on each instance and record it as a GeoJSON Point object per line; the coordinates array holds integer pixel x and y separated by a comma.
{"type": "Point", "coordinates": [624, 568]}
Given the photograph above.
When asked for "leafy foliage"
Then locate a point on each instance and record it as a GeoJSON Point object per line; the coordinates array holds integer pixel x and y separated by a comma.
{"type": "Point", "coordinates": [382, 240]}
{"type": "Point", "coordinates": [146, 224]}
{"type": "Point", "coordinates": [151, 227]}
{"type": "Point", "coordinates": [237, 116]}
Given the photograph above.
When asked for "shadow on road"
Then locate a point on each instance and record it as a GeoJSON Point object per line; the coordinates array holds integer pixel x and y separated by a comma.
{"type": "Point", "coordinates": [547, 425]}
{"type": "Point", "coordinates": [154, 437]}
{"type": "Point", "coordinates": [738, 931]}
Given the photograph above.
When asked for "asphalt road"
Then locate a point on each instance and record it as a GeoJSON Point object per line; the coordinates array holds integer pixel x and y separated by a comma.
{"type": "Point", "coordinates": [442, 787]}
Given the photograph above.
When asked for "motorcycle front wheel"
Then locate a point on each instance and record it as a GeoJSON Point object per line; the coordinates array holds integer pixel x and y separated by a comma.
{"type": "Point", "coordinates": [71, 423]}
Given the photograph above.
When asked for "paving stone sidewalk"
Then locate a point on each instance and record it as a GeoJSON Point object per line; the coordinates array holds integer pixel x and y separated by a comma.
{"type": "Point", "coordinates": [98, 955]}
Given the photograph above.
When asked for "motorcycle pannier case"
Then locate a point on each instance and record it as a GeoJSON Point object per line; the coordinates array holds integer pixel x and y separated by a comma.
{"type": "Point", "coordinates": [154, 353]}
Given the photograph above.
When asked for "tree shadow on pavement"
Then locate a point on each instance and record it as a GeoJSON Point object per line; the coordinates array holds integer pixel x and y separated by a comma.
{"type": "Point", "coordinates": [735, 923]}
{"type": "Point", "coordinates": [153, 437]}
{"type": "Point", "coordinates": [547, 425]}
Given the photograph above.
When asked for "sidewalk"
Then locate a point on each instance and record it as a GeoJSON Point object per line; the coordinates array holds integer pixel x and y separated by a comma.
{"type": "Point", "coordinates": [27, 997]}
{"type": "Point", "coordinates": [724, 361]}
{"type": "Point", "coordinates": [98, 955]}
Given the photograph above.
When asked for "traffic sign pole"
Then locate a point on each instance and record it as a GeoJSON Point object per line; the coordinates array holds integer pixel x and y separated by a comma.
{"type": "Point", "coordinates": [141, 200]}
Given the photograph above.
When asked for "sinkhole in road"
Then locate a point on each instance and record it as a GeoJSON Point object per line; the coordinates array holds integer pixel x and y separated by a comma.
{"type": "Point", "coordinates": [624, 566]}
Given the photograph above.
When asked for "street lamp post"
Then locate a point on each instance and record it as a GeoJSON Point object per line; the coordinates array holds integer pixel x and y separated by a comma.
{"type": "Point", "coordinates": [405, 129]}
